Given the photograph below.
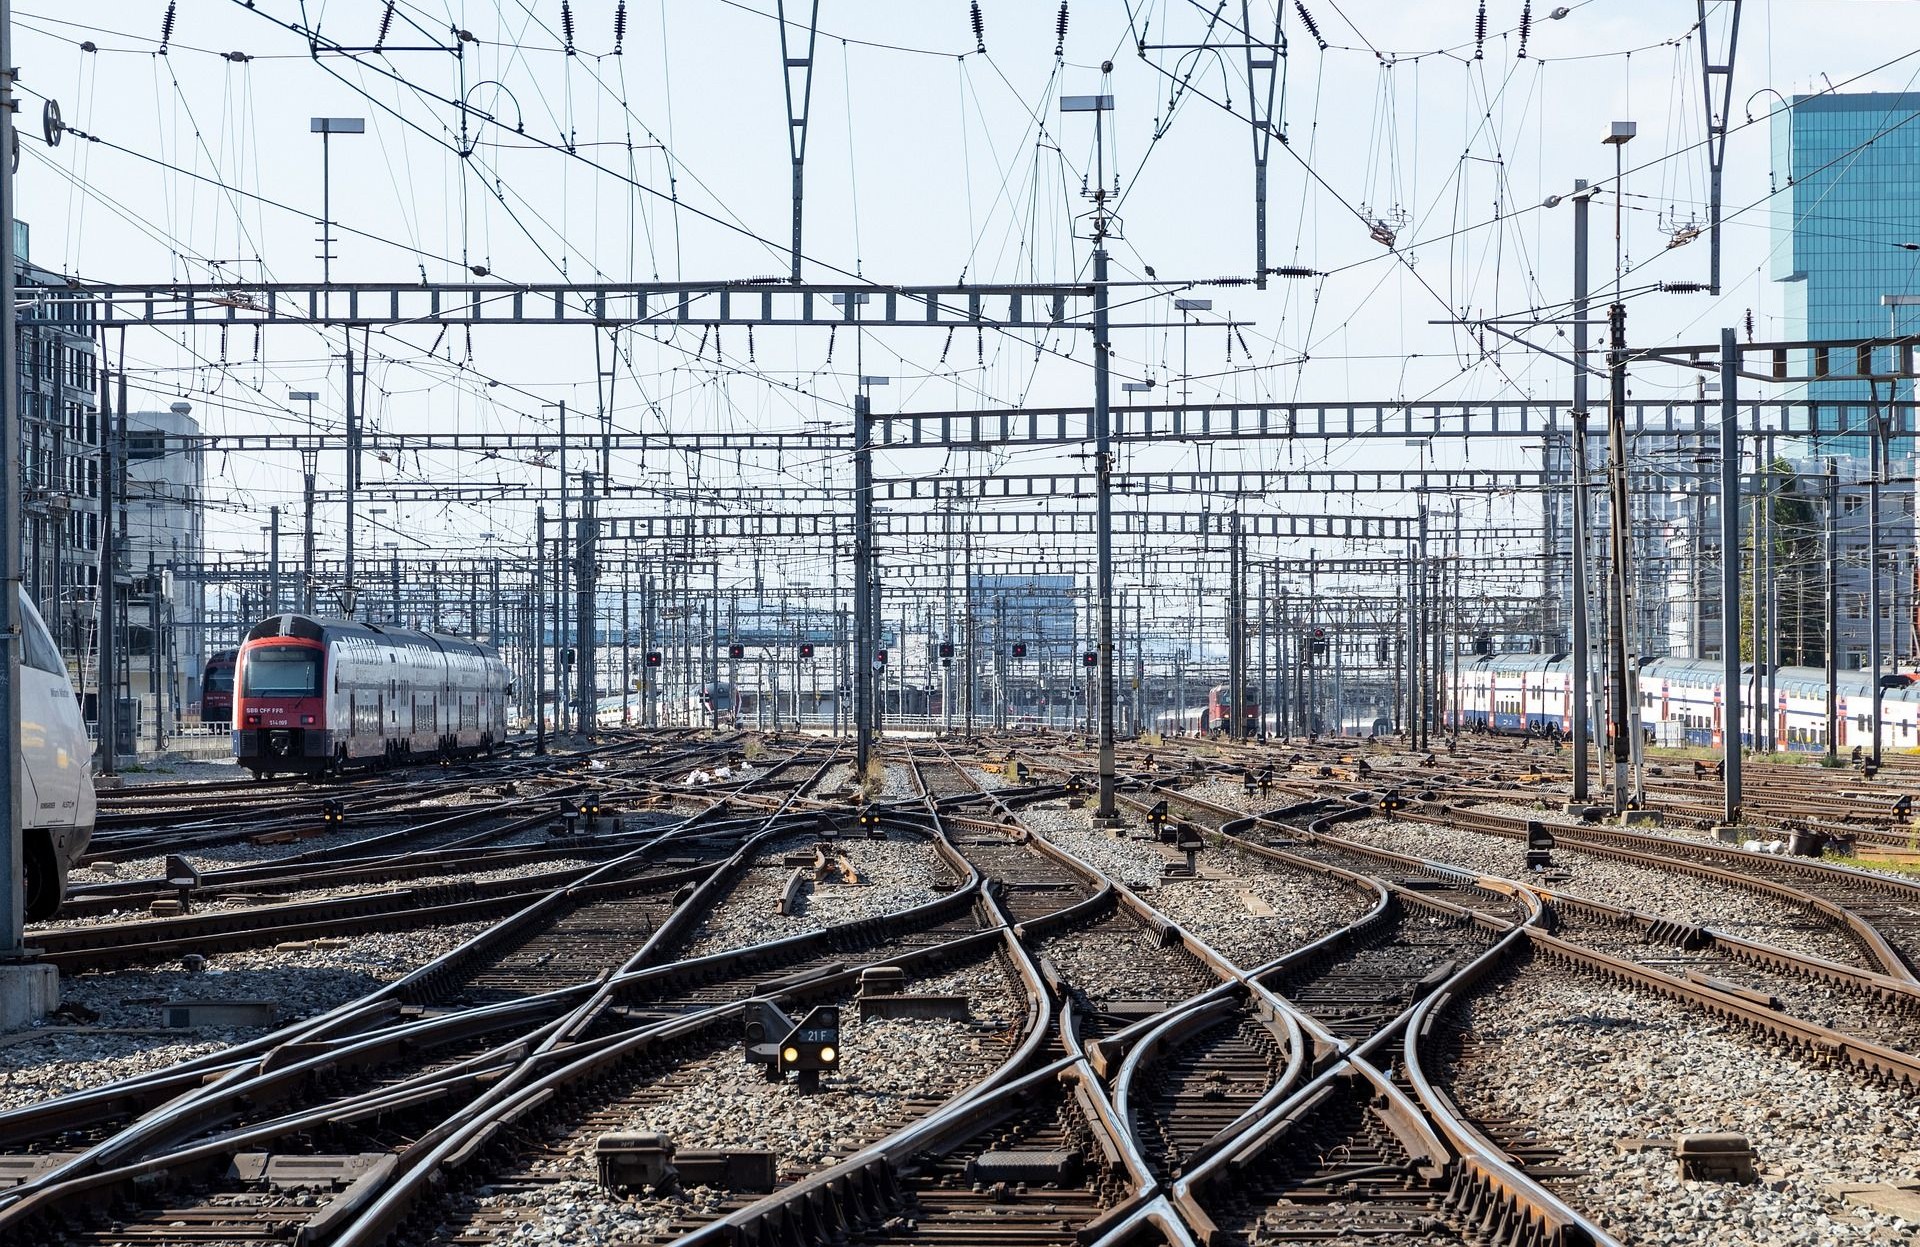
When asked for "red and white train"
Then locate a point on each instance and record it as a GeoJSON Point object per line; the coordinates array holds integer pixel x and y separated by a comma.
{"type": "Point", "coordinates": [317, 696]}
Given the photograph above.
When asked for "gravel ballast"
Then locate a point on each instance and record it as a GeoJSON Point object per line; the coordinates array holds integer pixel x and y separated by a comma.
{"type": "Point", "coordinates": [1702, 902]}
{"type": "Point", "coordinates": [51, 1061]}
{"type": "Point", "coordinates": [890, 1071]}
{"type": "Point", "coordinates": [893, 874]}
{"type": "Point", "coordinates": [1587, 1064]}
{"type": "Point", "coordinates": [1245, 910]}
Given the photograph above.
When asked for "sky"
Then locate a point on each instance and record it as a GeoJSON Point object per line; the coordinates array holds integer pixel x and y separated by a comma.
{"type": "Point", "coordinates": [928, 160]}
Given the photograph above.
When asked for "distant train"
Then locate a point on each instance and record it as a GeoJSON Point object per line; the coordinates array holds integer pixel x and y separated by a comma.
{"type": "Point", "coordinates": [56, 769]}
{"type": "Point", "coordinates": [320, 695]}
{"type": "Point", "coordinates": [717, 705]}
{"type": "Point", "coordinates": [1684, 699]}
{"type": "Point", "coordinates": [1215, 715]}
{"type": "Point", "coordinates": [216, 688]}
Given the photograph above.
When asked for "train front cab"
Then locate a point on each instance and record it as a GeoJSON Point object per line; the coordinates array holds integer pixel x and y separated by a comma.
{"type": "Point", "coordinates": [279, 705]}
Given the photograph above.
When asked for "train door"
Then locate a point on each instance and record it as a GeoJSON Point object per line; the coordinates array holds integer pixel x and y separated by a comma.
{"type": "Point", "coordinates": [1566, 703]}
{"type": "Point", "coordinates": [1666, 701]}
{"type": "Point", "coordinates": [1717, 703]}
{"type": "Point", "coordinates": [1780, 720]}
{"type": "Point", "coordinates": [1840, 717]}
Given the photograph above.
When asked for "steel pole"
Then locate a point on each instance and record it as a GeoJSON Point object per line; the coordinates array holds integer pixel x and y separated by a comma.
{"type": "Point", "coordinates": [1730, 571]}
{"type": "Point", "coordinates": [862, 581]}
{"type": "Point", "coordinates": [1103, 470]}
{"type": "Point", "coordinates": [1625, 710]}
{"type": "Point", "coordinates": [1832, 604]}
{"type": "Point", "coordinates": [12, 893]}
{"type": "Point", "coordinates": [1581, 642]}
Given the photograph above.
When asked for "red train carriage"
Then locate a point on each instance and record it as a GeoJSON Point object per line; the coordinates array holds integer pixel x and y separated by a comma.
{"type": "Point", "coordinates": [320, 695]}
{"type": "Point", "coordinates": [216, 688]}
{"type": "Point", "coordinates": [1220, 710]}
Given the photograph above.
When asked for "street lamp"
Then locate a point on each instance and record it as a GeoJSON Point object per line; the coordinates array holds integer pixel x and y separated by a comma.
{"type": "Point", "coordinates": [1626, 698]}
{"type": "Point", "coordinates": [308, 460]}
{"type": "Point", "coordinates": [326, 128]}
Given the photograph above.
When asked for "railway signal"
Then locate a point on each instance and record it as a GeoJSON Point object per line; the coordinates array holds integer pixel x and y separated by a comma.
{"type": "Point", "coordinates": [880, 658]}
{"type": "Point", "coordinates": [1090, 659]}
{"type": "Point", "coordinates": [1019, 649]}
{"type": "Point", "coordinates": [1317, 642]}
{"type": "Point", "coordinates": [653, 658]}
{"type": "Point", "coordinates": [946, 651]}
{"type": "Point", "coordinates": [806, 649]}
{"type": "Point", "coordinates": [736, 650]}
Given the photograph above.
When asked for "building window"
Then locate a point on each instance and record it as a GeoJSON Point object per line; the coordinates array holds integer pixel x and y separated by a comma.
{"type": "Point", "coordinates": [1852, 504]}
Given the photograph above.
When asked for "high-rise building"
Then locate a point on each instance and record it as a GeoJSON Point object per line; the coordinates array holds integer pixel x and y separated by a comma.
{"type": "Point", "coordinates": [165, 549]}
{"type": "Point", "coordinates": [1847, 217]}
{"type": "Point", "coordinates": [59, 453]}
{"type": "Point", "coordinates": [1847, 210]}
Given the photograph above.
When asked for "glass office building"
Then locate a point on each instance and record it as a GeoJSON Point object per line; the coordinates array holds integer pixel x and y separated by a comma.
{"type": "Point", "coordinates": [1847, 169]}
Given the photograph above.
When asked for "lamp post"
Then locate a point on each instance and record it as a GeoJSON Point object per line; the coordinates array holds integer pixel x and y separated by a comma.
{"type": "Point", "coordinates": [1105, 812]}
{"type": "Point", "coordinates": [307, 457]}
{"type": "Point", "coordinates": [374, 522]}
{"type": "Point", "coordinates": [326, 128]}
{"type": "Point", "coordinates": [1626, 701]}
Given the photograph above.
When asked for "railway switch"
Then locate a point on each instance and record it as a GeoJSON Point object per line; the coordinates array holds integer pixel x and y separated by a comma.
{"type": "Point", "coordinates": [630, 1160]}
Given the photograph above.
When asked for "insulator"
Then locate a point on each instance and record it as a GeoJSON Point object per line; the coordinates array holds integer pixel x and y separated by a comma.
{"type": "Point", "coordinates": [749, 344]}
{"type": "Point", "coordinates": [1306, 19]}
{"type": "Point", "coordinates": [619, 26]}
{"type": "Point", "coordinates": [1480, 32]}
{"type": "Point", "coordinates": [566, 24]}
{"type": "Point", "coordinates": [166, 28]}
{"type": "Point", "coordinates": [1526, 26]}
{"type": "Point", "coordinates": [1060, 31]}
{"type": "Point", "coordinates": [1749, 324]}
{"type": "Point", "coordinates": [949, 343]}
{"type": "Point", "coordinates": [979, 29]}
{"type": "Point", "coordinates": [386, 24]}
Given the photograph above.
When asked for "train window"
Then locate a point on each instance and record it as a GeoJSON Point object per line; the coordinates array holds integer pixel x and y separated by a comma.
{"type": "Point", "coordinates": [280, 671]}
{"type": "Point", "coordinates": [40, 652]}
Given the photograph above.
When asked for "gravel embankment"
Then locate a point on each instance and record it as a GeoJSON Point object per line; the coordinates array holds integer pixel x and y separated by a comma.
{"type": "Point", "coordinates": [52, 1061]}
{"type": "Point", "coordinates": [1728, 910]}
{"type": "Point", "coordinates": [1247, 911]}
{"type": "Point", "coordinates": [889, 874]}
{"type": "Point", "coordinates": [721, 1101]}
{"type": "Point", "coordinates": [1588, 1064]}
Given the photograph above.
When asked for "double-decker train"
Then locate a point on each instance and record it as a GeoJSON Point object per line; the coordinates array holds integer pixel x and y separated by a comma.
{"type": "Point", "coordinates": [1216, 715]}
{"type": "Point", "coordinates": [317, 696]}
{"type": "Point", "coordinates": [1684, 700]}
{"type": "Point", "coordinates": [216, 688]}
